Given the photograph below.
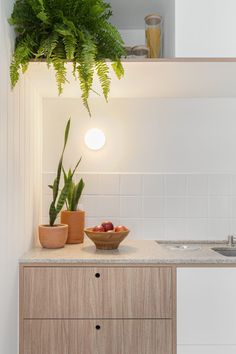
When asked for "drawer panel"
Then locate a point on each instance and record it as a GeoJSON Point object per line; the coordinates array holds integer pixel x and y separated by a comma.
{"type": "Point", "coordinates": [113, 337]}
{"type": "Point", "coordinates": [75, 292]}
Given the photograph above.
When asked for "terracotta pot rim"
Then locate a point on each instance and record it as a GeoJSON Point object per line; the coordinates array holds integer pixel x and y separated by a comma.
{"type": "Point", "coordinates": [47, 226]}
{"type": "Point", "coordinates": [73, 211]}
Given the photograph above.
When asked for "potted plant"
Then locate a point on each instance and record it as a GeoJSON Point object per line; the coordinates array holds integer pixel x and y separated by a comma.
{"type": "Point", "coordinates": [55, 235]}
{"type": "Point", "coordinates": [73, 217]}
{"type": "Point", "coordinates": [70, 30]}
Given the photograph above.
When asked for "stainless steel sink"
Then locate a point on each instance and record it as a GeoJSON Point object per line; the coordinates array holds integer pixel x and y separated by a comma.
{"type": "Point", "coordinates": [228, 252]}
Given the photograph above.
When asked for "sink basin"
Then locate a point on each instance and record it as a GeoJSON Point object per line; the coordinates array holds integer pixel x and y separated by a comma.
{"type": "Point", "coordinates": [228, 252]}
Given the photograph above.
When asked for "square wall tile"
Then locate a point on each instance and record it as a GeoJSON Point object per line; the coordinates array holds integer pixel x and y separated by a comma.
{"type": "Point", "coordinates": [153, 207]}
{"type": "Point", "coordinates": [233, 184]}
{"type": "Point", "coordinates": [130, 207]}
{"type": "Point", "coordinates": [196, 207]}
{"type": "Point", "coordinates": [197, 185]}
{"type": "Point", "coordinates": [108, 184]}
{"type": "Point", "coordinates": [218, 229]}
{"type": "Point", "coordinates": [233, 207]}
{"type": "Point", "coordinates": [196, 229]}
{"type": "Point", "coordinates": [219, 207]}
{"type": "Point", "coordinates": [175, 185]}
{"type": "Point", "coordinates": [153, 185]}
{"type": "Point", "coordinates": [91, 183]}
{"type": "Point", "coordinates": [130, 184]}
{"type": "Point", "coordinates": [175, 207]}
{"type": "Point", "coordinates": [175, 229]}
{"type": "Point", "coordinates": [153, 229]}
{"type": "Point", "coordinates": [90, 205]}
{"type": "Point", "coordinates": [108, 207]}
{"type": "Point", "coordinates": [135, 227]}
{"type": "Point", "coordinates": [219, 184]}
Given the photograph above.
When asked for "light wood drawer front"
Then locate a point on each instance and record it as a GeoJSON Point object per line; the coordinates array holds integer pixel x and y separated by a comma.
{"type": "Point", "coordinates": [82, 337]}
{"type": "Point", "coordinates": [65, 292]}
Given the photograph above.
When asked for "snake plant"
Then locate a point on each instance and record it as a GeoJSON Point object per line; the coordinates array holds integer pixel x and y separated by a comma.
{"type": "Point", "coordinates": [75, 191]}
{"type": "Point", "coordinates": [59, 31]}
{"type": "Point", "coordinates": [60, 196]}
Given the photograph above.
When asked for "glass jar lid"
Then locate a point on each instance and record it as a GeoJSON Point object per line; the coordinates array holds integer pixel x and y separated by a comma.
{"type": "Point", "coordinates": [153, 19]}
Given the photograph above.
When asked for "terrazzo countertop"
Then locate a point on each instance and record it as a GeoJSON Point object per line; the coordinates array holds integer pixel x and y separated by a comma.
{"type": "Point", "coordinates": [130, 252]}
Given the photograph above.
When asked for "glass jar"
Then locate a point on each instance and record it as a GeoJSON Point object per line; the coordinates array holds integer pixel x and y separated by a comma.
{"type": "Point", "coordinates": [154, 35]}
{"type": "Point", "coordinates": [140, 51]}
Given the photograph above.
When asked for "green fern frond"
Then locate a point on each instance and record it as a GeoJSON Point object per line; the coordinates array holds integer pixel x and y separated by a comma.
{"type": "Point", "coordinates": [58, 31]}
{"type": "Point", "coordinates": [70, 46]}
{"type": "Point", "coordinates": [47, 46]}
{"type": "Point", "coordinates": [60, 73]}
{"type": "Point", "coordinates": [103, 75]}
{"type": "Point", "coordinates": [118, 69]}
{"type": "Point", "coordinates": [85, 69]}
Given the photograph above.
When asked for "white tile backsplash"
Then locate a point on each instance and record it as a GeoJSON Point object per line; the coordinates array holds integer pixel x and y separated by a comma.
{"type": "Point", "coordinates": [108, 184]}
{"type": "Point", "coordinates": [130, 184]}
{"type": "Point", "coordinates": [175, 185]}
{"type": "Point", "coordinates": [153, 207]}
{"type": "Point", "coordinates": [197, 185]}
{"type": "Point", "coordinates": [196, 207]}
{"type": "Point", "coordinates": [159, 206]}
{"type": "Point", "coordinates": [219, 184]}
{"type": "Point", "coordinates": [130, 207]}
{"type": "Point", "coordinates": [153, 185]}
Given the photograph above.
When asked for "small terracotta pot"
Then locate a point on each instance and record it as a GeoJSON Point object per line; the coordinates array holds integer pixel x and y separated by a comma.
{"type": "Point", "coordinates": [75, 221]}
{"type": "Point", "coordinates": [53, 236]}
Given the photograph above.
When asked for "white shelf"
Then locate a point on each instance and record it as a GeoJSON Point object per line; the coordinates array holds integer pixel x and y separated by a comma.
{"type": "Point", "coordinates": [159, 78]}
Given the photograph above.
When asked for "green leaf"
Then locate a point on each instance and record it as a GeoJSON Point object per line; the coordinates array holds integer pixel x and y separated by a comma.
{"type": "Point", "coordinates": [118, 69]}
{"type": "Point", "coordinates": [73, 30]}
{"type": "Point", "coordinates": [77, 194]}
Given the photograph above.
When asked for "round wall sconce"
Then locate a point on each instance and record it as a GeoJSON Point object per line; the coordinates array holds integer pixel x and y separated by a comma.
{"type": "Point", "coordinates": [95, 139]}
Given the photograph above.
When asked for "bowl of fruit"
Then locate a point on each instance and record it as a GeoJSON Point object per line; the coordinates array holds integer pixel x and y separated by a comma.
{"type": "Point", "coordinates": [106, 236]}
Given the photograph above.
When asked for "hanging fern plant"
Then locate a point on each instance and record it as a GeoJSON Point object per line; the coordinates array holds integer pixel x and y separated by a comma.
{"type": "Point", "coordinates": [59, 31]}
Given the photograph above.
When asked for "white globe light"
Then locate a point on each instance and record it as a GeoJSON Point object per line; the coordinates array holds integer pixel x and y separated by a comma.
{"type": "Point", "coordinates": [95, 139]}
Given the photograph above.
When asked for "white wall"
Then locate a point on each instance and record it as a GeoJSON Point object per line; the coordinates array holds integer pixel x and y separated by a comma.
{"type": "Point", "coordinates": [167, 170]}
{"type": "Point", "coordinates": [19, 207]}
{"type": "Point", "coordinates": [205, 28]}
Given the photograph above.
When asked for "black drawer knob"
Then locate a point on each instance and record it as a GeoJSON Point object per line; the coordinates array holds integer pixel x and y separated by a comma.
{"type": "Point", "coordinates": [97, 275]}
{"type": "Point", "coordinates": [98, 327]}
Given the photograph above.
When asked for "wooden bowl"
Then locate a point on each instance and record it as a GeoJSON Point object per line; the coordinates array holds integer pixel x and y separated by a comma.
{"type": "Point", "coordinates": [106, 240]}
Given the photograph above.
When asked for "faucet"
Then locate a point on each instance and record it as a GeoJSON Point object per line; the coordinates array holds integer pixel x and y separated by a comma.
{"type": "Point", "coordinates": [231, 241]}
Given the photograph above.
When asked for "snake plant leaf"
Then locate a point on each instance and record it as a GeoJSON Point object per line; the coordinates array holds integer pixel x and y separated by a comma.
{"type": "Point", "coordinates": [52, 213]}
{"type": "Point", "coordinates": [59, 169]}
{"type": "Point", "coordinates": [77, 194]}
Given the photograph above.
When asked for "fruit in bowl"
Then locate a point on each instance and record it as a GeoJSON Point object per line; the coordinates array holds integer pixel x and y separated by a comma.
{"type": "Point", "coordinates": [107, 237]}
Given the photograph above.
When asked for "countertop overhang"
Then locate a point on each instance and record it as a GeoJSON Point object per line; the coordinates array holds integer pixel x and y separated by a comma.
{"type": "Point", "coordinates": [129, 252]}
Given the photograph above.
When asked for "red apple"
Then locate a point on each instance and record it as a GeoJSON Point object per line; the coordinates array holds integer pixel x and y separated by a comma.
{"type": "Point", "coordinates": [120, 228]}
{"type": "Point", "coordinates": [98, 228]}
{"type": "Point", "coordinates": [107, 225]}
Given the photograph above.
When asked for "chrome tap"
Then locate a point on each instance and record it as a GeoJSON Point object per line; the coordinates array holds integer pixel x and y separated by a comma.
{"type": "Point", "coordinates": [231, 240]}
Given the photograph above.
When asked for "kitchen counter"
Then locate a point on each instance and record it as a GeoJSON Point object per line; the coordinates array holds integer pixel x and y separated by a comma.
{"type": "Point", "coordinates": [129, 252]}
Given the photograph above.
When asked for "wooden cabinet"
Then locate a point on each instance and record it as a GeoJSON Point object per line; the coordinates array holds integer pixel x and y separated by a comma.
{"type": "Point", "coordinates": [97, 310]}
{"type": "Point", "coordinates": [97, 336]}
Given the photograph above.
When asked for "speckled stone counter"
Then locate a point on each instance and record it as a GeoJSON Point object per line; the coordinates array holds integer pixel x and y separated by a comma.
{"type": "Point", "coordinates": [129, 252]}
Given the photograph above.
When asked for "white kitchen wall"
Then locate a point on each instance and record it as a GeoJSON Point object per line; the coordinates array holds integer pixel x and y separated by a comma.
{"type": "Point", "coordinates": [167, 170]}
{"type": "Point", "coordinates": [205, 28]}
{"type": "Point", "coordinates": [19, 182]}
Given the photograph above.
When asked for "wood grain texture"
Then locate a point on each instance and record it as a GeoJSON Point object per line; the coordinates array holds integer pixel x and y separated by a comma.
{"type": "Point", "coordinates": [76, 292]}
{"type": "Point", "coordinates": [113, 337]}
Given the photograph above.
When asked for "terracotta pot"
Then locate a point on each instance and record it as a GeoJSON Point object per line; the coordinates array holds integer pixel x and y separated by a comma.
{"type": "Point", "coordinates": [75, 222]}
{"type": "Point", "coordinates": [53, 236]}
